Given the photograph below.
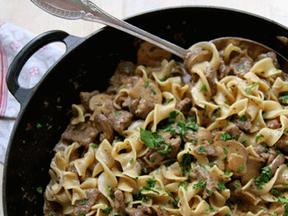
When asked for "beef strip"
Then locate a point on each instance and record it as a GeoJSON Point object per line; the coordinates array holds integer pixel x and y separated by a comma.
{"type": "Point", "coordinates": [273, 123]}
{"type": "Point", "coordinates": [160, 211]}
{"type": "Point", "coordinates": [205, 149]}
{"type": "Point", "coordinates": [260, 149]}
{"type": "Point", "coordinates": [271, 55]}
{"type": "Point", "coordinates": [234, 131]}
{"type": "Point", "coordinates": [157, 154]}
{"type": "Point", "coordinates": [84, 206]}
{"type": "Point", "coordinates": [238, 66]}
{"type": "Point", "coordinates": [147, 211]}
{"type": "Point", "coordinates": [119, 203]}
{"type": "Point", "coordinates": [139, 107]}
{"type": "Point", "coordinates": [120, 120]}
{"type": "Point", "coordinates": [82, 133]}
{"type": "Point", "coordinates": [144, 107]}
{"type": "Point", "coordinates": [142, 98]}
{"type": "Point", "coordinates": [278, 160]}
{"type": "Point", "coordinates": [194, 57]}
{"type": "Point", "coordinates": [238, 194]}
{"type": "Point", "coordinates": [201, 173]}
{"type": "Point", "coordinates": [282, 144]}
{"type": "Point", "coordinates": [52, 208]}
{"type": "Point", "coordinates": [139, 211]}
{"type": "Point", "coordinates": [184, 105]}
{"type": "Point", "coordinates": [202, 135]}
{"type": "Point", "coordinates": [243, 125]}
{"type": "Point", "coordinates": [210, 74]}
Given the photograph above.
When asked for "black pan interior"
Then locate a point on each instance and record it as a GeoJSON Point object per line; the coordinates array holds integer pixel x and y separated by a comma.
{"type": "Point", "coordinates": [88, 67]}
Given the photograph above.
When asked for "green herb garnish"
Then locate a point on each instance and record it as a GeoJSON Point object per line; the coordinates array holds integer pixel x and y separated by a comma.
{"type": "Point", "coordinates": [107, 210]}
{"type": "Point", "coordinates": [199, 184]}
{"type": "Point", "coordinates": [203, 88]}
{"type": "Point", "coordinates": [225, 136]}
{"type": "Point", "coordinates": [251, 87]}
{"type": "Point", "coordinates": [151, 139]}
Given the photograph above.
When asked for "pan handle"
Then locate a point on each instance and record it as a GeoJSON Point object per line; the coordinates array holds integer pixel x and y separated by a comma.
{"type": "Point", "coordinates": [22, 94]}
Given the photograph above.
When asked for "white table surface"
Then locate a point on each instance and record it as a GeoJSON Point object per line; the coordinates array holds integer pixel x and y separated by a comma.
{"type": "Point", "coordinates": [25, 14]}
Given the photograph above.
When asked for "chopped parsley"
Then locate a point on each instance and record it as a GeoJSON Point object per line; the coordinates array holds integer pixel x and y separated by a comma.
{"type": "Point", "coordinates": [258, 137]}
{"type": "Point", "coordinates": [94, 146]}
{"type": "Point", "coordinates": [39, 126]}
{"type": "Point", "coordinates": [150, 183]}
{"type": "Point", "coordinates": [243, 118]}
{"type": "Point", "coordinates": [166, 149]}
{"type": "Point", "coordinates": [107, 210]}
{"type": "Point", "coordinates": [40, 190]}
{"type": "Point", "coordinates": [285, 97]}
{"type": "Point", "coordinates": [146, 84]}
{"type": "Point", "coordinates": [237, 185]}
{"type": "Point", "coordinates": [151, 139]}
{"type": "Point", "coordinates": [117, 113]}
{"type": "Point", "coordinates": [274, 191]}
{"type": "Point", "coordinates": [204, 111]}
{"type": "Point", "coordinates": [265, 177]}
{"type": "Point", "coordinates": [203, 88]}
{"type": "Point", "coordinates": [251, 87]}
{"type": "Point", "coordinates": [285, 201]}
{"type": "Point", "coordinates": [173, 115]}
{"type": "Point", "coordinates": [201, 184]}
{"type": "Point", "coordinates": [169, 99]}
{"type": "Point", "coordinates": [225, 136]}
{"type": "Point", "coordinates": [221, 186]}
{"type": "Point", "coordinates": [202, 149]}
{"type": "Point", "coordinates": [83, 202]}
{"type": "Point", "coordinates": [186, 160]}
{"type": "Point", "coordinates": [240, 68]}
{"type": "Point", "coordinates": [240, 168]}
{"type": "Point", "coordinates": [266, 174]}
{"type": "Point", "coordinates": [174, 202]}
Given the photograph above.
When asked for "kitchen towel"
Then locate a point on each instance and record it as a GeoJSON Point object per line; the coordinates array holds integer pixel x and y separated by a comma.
{"type": "Point", "coordinates": [12, 39]}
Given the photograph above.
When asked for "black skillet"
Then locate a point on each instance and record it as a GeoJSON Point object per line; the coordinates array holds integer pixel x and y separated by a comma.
{"type": "Point", "coordinates": [86, 65]}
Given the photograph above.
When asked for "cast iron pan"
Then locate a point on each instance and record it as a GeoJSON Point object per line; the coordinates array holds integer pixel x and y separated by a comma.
{"type": "Point", "coordinates": [87, 65]}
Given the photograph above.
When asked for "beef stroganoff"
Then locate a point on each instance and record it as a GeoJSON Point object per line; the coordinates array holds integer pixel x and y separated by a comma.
{"type": "Point", "coordinates": [210, 139]}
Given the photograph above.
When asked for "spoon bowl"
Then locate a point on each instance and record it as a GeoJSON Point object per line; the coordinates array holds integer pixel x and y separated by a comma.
{"type": "Point", "coordinates": [87, 10]}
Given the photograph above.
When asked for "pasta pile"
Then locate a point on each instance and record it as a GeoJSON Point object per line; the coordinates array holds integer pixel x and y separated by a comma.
{"type": "Point", "coordinates": [208, 140]}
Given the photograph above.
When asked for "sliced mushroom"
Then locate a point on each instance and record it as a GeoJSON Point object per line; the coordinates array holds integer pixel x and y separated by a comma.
{"type": "Point", "coordinates": [254, 166]}
{"type": "Point", "coordinates": [98, 101]}
{"type": "Point", "coordinates": [196, 56]}
{"type": "Point", "coordinates": [279, 160]}
{"type": "Point", "coordinates": [237, 156]}
{"type": "Point", "coordinates": [85, 97]}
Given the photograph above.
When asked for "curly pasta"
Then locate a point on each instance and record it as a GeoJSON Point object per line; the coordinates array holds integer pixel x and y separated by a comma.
{"type": "Point", "coordinates": [208, 140]}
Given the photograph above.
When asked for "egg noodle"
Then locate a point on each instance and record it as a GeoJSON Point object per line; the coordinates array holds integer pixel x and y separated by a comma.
{"type": "Point", "coordinates": [161, 141]}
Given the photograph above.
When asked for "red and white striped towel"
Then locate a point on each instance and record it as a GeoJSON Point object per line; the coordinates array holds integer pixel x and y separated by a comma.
{"type": "Point", "coordinates": [12, 39]}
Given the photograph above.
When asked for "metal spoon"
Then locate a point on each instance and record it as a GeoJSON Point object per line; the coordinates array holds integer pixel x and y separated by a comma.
{"type": "Point", "coordinates": [86, 10]}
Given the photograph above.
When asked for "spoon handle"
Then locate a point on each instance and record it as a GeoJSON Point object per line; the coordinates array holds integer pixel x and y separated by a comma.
{"type": "Point", "coordinates": [87, 10]}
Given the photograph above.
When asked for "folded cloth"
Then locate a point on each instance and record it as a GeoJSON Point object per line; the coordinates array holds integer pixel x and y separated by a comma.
{"type": "Point", "coordinates": [12, 39]}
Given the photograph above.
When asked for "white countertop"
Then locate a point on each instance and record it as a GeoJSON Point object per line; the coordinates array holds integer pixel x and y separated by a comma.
{"type": "Point", "coordinates": [25, 14]}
